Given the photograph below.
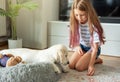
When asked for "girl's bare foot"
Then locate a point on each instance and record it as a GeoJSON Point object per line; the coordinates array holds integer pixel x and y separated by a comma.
{"type": "Point", "coordinates": [98, 61]}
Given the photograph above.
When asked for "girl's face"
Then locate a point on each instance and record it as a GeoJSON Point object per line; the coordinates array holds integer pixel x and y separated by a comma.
{"type": "Point", "coordinates": [81, 16]}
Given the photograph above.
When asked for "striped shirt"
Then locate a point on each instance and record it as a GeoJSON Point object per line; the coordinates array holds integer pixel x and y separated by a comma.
{"type": "Point", "coordinates": [85, 35]}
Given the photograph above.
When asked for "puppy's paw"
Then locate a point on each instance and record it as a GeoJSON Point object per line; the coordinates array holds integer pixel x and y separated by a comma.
{"type": "Point", "coordinates": [58, 71]}
{"type": "Point", "coordinates": [65, 69]}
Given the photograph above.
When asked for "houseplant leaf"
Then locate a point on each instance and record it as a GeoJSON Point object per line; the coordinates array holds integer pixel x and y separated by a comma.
{"type": "Point", "coordinates": [12, 12]}
{"type": "Point", "coordinates": [3, 12]}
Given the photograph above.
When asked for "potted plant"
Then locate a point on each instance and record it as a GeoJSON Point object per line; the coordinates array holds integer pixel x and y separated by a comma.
{"type": "Point", "coordinates": [12, 11]}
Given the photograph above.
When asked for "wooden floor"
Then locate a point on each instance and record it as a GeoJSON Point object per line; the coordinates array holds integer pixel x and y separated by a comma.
{"type": "Point", "coordinates": [3, 47]}
{"type": "Point", "coordinates": [114, 61]}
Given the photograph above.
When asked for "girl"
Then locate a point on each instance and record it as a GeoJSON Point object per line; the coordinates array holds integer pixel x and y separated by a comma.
{"type": "Point", "coordinates": [86, 34]}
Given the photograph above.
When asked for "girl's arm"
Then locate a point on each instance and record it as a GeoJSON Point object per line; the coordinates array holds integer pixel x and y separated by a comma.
{"type": "Point", "coordinates": [79, 50]}
{"type": "Point", "coordinates": [91, 68]}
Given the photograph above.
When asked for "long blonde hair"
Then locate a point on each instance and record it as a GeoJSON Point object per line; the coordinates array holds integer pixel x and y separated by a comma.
{"type": "Point", "coordinates": [93, 21]}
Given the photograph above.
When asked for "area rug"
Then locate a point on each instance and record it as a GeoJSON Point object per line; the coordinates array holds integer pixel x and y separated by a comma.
{"type": "Point", "coordinates": [104, 73]}
{"type": "Point", "coordinates": [32, 72]}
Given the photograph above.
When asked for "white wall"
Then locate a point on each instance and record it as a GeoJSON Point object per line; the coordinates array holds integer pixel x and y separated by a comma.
{"type": "Point", "coordinates": [32, 25]}
{"type": "Point", "coordinates": [112, 45]}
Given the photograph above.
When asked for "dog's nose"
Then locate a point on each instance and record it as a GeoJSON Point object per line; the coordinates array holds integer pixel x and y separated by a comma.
{"type": "Point", "coordinates": [68, 62]}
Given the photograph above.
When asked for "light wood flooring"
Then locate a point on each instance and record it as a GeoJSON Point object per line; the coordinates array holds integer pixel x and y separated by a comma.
{"type": "Point", "coordinates": [3, 45]}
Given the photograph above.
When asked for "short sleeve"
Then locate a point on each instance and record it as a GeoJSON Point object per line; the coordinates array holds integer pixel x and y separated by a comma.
{"type": "Point", "coordinates": [95, 37]}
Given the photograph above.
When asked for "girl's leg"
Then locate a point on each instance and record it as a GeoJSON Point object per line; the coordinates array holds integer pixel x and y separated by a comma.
{"type": "Point", "coordinates": [83, 62]}
{"type": "Point", "coordinates": [74, 59]}
{"type": "Point", "coordinates": [98, 61]}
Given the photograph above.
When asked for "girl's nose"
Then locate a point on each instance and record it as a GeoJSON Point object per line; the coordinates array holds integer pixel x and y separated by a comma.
{"type": "Point", "coordinates": [79, 18]}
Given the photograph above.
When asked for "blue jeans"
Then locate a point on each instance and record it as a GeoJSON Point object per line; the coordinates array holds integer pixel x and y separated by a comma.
{"type": "Point", "coordinates": [84, 48]}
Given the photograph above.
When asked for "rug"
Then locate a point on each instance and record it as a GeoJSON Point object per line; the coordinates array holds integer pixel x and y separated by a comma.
{"type": "Point", "coordinates": [32, 72]}
{"type": "Point", "coordinates": [104, 73]}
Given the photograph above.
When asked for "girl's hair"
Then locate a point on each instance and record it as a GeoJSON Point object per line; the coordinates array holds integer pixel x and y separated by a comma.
{"type": "Point", "coordinates": [93, 22]}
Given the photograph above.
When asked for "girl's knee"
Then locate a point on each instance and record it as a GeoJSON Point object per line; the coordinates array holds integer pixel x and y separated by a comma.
{"type": "Point", "coordinates": [79, 68]}
{"type": "Point", "coordinates": [71, 66]}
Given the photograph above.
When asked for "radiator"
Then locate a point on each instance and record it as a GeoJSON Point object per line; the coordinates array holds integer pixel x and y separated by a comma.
{"type": "Point", "coordinates": [3, 31]}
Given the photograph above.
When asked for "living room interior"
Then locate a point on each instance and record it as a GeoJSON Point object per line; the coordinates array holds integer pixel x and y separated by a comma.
{"type": "Point", "coordinates": [49, 25]}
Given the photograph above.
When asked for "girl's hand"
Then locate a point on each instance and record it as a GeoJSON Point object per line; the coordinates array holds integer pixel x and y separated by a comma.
{"type": "Point", "coordinates": [91, 70]}
{"type": "Point", "coordinates": [79, 50]}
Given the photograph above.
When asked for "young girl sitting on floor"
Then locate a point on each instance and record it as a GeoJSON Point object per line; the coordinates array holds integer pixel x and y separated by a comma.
{"type": "Point", "coordinates": [86, 34]}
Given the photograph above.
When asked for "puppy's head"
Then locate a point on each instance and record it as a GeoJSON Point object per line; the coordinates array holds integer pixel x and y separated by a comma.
{"type": "Point", "coordinates": [62, 54]}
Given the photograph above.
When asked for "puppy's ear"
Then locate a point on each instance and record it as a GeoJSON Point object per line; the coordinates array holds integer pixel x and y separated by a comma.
{"type": "Point", "coordinates": [57, 58]}
{"type": "Point", "coordinates": [61, 57]}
